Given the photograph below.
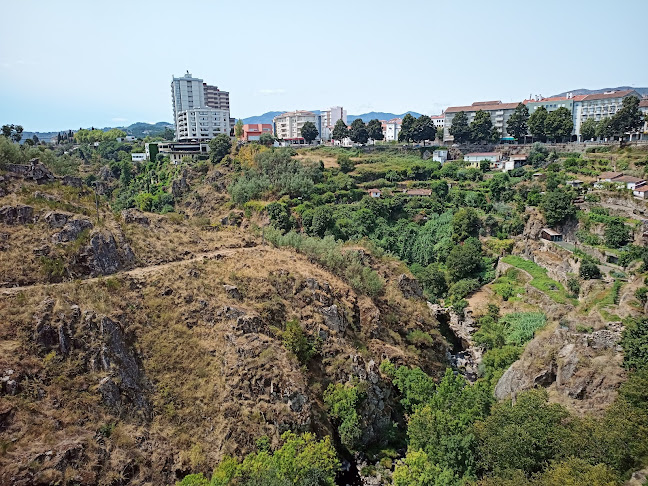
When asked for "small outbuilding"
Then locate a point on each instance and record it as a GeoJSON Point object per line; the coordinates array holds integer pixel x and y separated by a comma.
{"type": "Point", "coordinates": [550, 235]}
{"type": "Point", "coordinates": [374, 192]}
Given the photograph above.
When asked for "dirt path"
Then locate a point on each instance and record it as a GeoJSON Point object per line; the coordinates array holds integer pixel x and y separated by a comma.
{"type": "Point", "coordinates": [138, 272]}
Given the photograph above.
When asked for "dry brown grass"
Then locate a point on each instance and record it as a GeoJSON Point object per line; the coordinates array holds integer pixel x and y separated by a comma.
{"type": "Point", "coordinates": [211, 386]}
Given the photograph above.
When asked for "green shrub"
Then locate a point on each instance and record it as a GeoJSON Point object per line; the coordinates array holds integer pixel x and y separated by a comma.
{"type": "Point", "coordinates": [342, 402]}
{"type": "Point", "coordinates": [298, 343]}
{"type": "Point", "coordinates": [589, 270]}
{"type": "Point", "coordinates": [635, 344]}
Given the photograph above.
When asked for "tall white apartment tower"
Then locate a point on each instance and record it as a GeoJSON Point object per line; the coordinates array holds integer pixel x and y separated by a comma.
{"type": "Point", "coordinates": [187, 93]}
{"type": "Point", "coordinates": [200, 111]}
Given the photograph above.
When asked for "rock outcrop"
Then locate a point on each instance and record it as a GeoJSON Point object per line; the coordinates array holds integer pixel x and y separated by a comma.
{"type": "Point", "coordinates": [72, 230]}
{"type": "Point", "coordinates": [410, 286]}
{"type": "Point", "coordinates": [19, 214]}
{"type": "Point", "coordinates": [135, 216]}
{"type": "Point", "coordinates": [57, 219]}
{"type": "Point", "coordinates": [102, 256]}
{"type": "Point", "coordinates": [101, 345]}
{"type": "Point", "coordinates": [583, 369]}
{"type": "Point", "coordinates": [179, 186]}
{"type": "Point", "coordinates": [35, 171]}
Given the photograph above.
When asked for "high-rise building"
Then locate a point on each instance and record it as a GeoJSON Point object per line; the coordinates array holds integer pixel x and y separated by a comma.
{"type": "Point", "coordinates": [215, 98]}
{"type": "Point", "coordinates": [200, 111]}
{"type": "Point", "coordinates": [187, 93]}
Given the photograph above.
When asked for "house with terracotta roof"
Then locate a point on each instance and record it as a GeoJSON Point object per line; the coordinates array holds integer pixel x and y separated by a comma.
{"type": "Point", "coordinates": [438, 120]}
{"type": "Point", "coordinates": [498, 111]}
{"type": "Point", "coordinates": [253, 131]}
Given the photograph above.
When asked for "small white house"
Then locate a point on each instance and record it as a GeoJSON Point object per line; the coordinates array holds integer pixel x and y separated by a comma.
{"type": "Point", "coordinates": [374, 192]}
{"type": "Point", "coordinates": [440, 155]}
{"type": "Point", "coordinates": [138, 157]}
{"type": "Point", "coordinates": [641, 191]}
{"type": "Point", "coordinates": [511, 164]}
{"type": "Point", "coordinates": [475, 158]}
{"type": "Point", "coordinates": [629, 182]}
{"type": "Point", "coordinates": [130, 138]}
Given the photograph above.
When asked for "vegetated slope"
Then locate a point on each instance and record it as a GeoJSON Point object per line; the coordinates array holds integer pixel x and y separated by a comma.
{"type": "Point", "coordinates": [140, 377]}
{"type": "Point", "coordinates": [278, 340]}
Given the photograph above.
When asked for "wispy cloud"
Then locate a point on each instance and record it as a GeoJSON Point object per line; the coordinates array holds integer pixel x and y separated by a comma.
{"type": "Point", "coordinates": [119, 119]}
{"type": "Point", "coordinates": [275, 91]}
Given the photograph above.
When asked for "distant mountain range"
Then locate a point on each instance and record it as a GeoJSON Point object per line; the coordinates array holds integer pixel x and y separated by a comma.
{"type": "Point", "coordinates": [582, 91]}
{"type": "Point", "coordinates": [269, 116]}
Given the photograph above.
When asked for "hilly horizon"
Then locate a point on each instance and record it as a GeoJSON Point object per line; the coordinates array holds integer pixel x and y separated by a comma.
{"type": "Point", "coordinates": [584, 91]}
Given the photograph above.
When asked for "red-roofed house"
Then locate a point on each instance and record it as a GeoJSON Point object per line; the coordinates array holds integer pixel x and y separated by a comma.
{"type": "Point", "coordinates": [252, 131]}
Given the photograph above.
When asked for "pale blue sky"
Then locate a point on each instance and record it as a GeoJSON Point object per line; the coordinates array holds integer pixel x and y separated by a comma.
{"type": "Point", "coordinates": [70, 64]}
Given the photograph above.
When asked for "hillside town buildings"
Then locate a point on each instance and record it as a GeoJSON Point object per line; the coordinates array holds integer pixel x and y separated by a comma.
{"type": "Point", "coordinates": [582, 108]}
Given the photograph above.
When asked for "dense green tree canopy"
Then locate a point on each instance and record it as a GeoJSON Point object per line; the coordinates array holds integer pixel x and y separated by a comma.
{"type": "Point", "coordinates": [588, 129]}
{"type": "Point", "coordinates": [358, 131]}
{"type": "Point", "coordinates": [374, 130]}
{"type": "Point", "coordinates": [559, 124]}
{"type": "Point", "coordinates": [340, 131]}
{"type": "Point", "coordinates": [557, 206]}
{"type": "Point", "coordinates": [481, 127]}
{"type": "Point", "coordinates": [407, 129]}
{"type": "Point", "coordinates": [309, 131]}
{"type": "Point", "coordinates": [628, 119]}
{"type": "Point", "coordinates": [517, 124]}
{"type": "Point", "coordinates": [537, 123]}
{"type": "Point", "coordinates": [219, 147]}
{"type": "Point", "coordinates": [459, 128]}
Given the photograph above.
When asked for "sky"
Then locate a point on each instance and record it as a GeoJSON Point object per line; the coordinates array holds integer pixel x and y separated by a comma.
{"type": "Point", "coordinates": [72, 64]}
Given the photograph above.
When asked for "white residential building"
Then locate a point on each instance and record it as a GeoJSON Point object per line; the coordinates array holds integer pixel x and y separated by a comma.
{"type": "Point", "coordinates": [440, 155]}
{"type": "Point", "coordinates": [199, 109]}
{"type": "Point", "coordinates": [597, 106]}
{"type": "Point", "coordinates": [498, 111]}
{"type": "Point", "coordinates": [391, 129]}
{"type": "Point", "coordinates": [328, 119]}
{"type": "Point", "coordinates": [138, 157]}
{"type": "Point", "coordinates": [475, 158]}
{"type": "Point", "coordinates": [288, 125]}
{"type": "Point", "coordinates": [438, 120]}
{"type": "Point", "coordinates": [201, 124]}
